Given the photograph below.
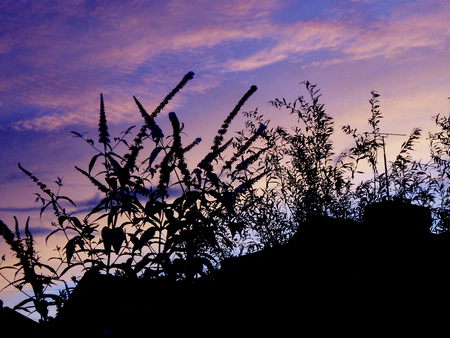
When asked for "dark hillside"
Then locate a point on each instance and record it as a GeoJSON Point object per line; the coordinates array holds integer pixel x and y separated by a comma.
{"type": "Point", "coordinates": [333, 276]}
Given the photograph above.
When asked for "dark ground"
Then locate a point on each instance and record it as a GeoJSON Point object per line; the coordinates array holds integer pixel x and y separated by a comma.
{"type": "Point", "coordinates": [386, 276]}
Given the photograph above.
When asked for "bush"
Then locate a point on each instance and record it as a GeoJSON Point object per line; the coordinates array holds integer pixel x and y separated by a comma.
{"type": "Point", "coordinates": [157, 218]}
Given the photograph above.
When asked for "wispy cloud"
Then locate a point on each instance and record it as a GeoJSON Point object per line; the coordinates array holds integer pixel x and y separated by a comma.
{"type": "Point", "coordinates": [294, 40]}
{"type": "Point", "coordinates": [402, 33]}
{"type": "Point", "coordinates": [57, 59]}
{"type": "Point", "coordinates": [60, 57]}
{"type": "Point", "coordinates": [390, 37]}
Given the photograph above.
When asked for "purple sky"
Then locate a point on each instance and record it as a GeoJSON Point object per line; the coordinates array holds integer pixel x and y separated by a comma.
{"type": "Point", "coordinates": [56, 57]}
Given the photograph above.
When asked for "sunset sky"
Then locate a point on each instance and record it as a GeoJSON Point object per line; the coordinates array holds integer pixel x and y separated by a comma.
{"type": "Point", "coordinates": [56, 57]}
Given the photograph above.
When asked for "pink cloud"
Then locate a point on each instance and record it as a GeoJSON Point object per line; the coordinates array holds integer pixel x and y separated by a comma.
{"type": "Point", "coordinates": [120, 49]}
{"type": "Point", "coordinates": [393, 37]}
{"type": "Point", "coordinates": [211, 36]}
{"type": "Point", "coordinates": [296, 39]}
{"type": "Point", "coordinates": [68, 109]}
{"type": "Point", "coordinates": [68, 60]}
{"type": "Point", "coordinates": [388, 38]}
{"type": "Point", "coordinates": [225, 10]}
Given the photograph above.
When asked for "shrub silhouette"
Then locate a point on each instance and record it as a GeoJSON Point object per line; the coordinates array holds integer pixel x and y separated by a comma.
{"type": "Point", "coordinates": [157, 218]}
{"type": "Point", "coordinates": [314, 181]}
{"type": "Point", "coordinates": [160, 219]}
{"type": "Point", "coordinates": [28, 266]}
{"type": "Point", "coordinates": [315, 185]}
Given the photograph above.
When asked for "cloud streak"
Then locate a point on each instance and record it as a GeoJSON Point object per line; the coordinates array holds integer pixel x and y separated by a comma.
{"type": "Point", "coordinates": [59, 57]}
{"type": "Point", "coordinates": [391, 37]}
{"type": "Point", "coordinates": [64, 55]}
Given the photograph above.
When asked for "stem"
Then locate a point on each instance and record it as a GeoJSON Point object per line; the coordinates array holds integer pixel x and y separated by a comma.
{"type": "Point", "coordinates": [63, 229]}
{"type": "Point", "coordinates": [12, 283]}
{"type": "Point", "coordinates": [107, 175]}
{"type": "Point", "coordinates": [386, 170]}
{"type": "Point", "coordinates": [160, 238]}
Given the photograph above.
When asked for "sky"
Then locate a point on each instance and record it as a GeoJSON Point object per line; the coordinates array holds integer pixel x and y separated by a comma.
{"type": "Point", "coordinates": [56, 57]}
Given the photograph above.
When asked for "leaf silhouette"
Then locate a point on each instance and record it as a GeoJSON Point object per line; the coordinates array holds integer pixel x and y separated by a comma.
{"type": "Point", "coordinates": [146, 236]}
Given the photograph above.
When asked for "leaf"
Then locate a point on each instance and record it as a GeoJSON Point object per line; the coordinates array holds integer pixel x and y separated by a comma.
{"type": "Point", "coordinates": [142, 263]}
{"type": "Point", "coordinates": [102, 205]}
{"type": "Point", "coordinates": [51, 234]}
{"type": "Point", "coordinates": [76, 133]}
{"type": "Point", "coordinates": [153, 155]}
{"type": "Point", "coordinates": [117, 167]}
{"type": "Point", "coordinates": [92, 162]}
{"type": "Point", "coordinates": [48, 267]}
{"type": "Point", "coordinates": [70, 248]}
{"type": "Point", "coordinates": [126, 132]}
{"type": "Point", "coordinates": [146, 236]}
{"type": "Point", "coordinates": [117, 237]}
{"type": "Point", "coordinates": [76, 222]}
{"type": "Point", "coordinates": [67, 268]}
{"type": "Point", "coordinates": [113, 238]}
{"type": "Point", "coordinates": [20, 305]}
{"type": "Point", "coordinates": [106, 237]}
{"type": "Point", "coordinates": [67, 199]}
{"type": "Point", "coordinates": [44, 207]}
{"type": "Point", "coordinates": [62, 219]}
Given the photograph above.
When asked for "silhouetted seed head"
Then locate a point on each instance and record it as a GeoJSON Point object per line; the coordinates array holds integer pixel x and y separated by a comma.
{"type": "Point", "coordinates": [102, 125]}
{"type": "Point", "coordinates": [174, 120]}
{"type": "Point", "coordinates": [178, 87]}
{"type": "Point", "coordinates": [189, 75]}
{"type": "Point", "coordinates": [218, 139]}
{"type": "Point", "coordinates": [193, 144]}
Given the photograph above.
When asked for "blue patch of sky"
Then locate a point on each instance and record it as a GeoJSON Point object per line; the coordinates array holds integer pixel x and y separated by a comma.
{"type": "Point", "coordinates": [199, 59]}
{"type": "Point", "coordinates": [164, 63]}
{"type": "Point", "coordinates": [360, 11]}
{"type": "Point", "coordinates": [14, 62]}
{"type": "Point", "coordinates": [15, 112]}
{"type": "Point", "coordinates": [320, 58]}
{"type": "Point", "coordinates": [302, 11]}
{"type": "Point", "coordinates": [241, 49]}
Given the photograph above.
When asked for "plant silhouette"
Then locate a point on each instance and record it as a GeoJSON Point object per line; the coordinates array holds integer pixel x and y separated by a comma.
{"type": "Point", "coordinates": [157, 218]}
{"type": "Point", "coordinates": [265, 209]}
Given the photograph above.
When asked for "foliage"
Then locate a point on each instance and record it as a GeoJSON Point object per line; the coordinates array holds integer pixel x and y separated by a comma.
{"type": "Point", "coordinates": [422, 183]}
{"type": "Point", "coordinates": [262, 213]}
{"type": "Point", "coordinates": [30, 270]}
{"type": "Point", "coordinates": [314, 183]}
{"type": "Point", "coordinates": [312, 180]}
{"type": "Point", "coordinates": [156, 218]}
{"type": "Point", "coordinates": [160, 216]}
{"type": "Point", "coordinates": [439, 176]}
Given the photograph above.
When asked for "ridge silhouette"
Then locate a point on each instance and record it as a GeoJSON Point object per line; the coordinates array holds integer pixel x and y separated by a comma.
{"type": "Point", "coordinates": [332, 276]}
